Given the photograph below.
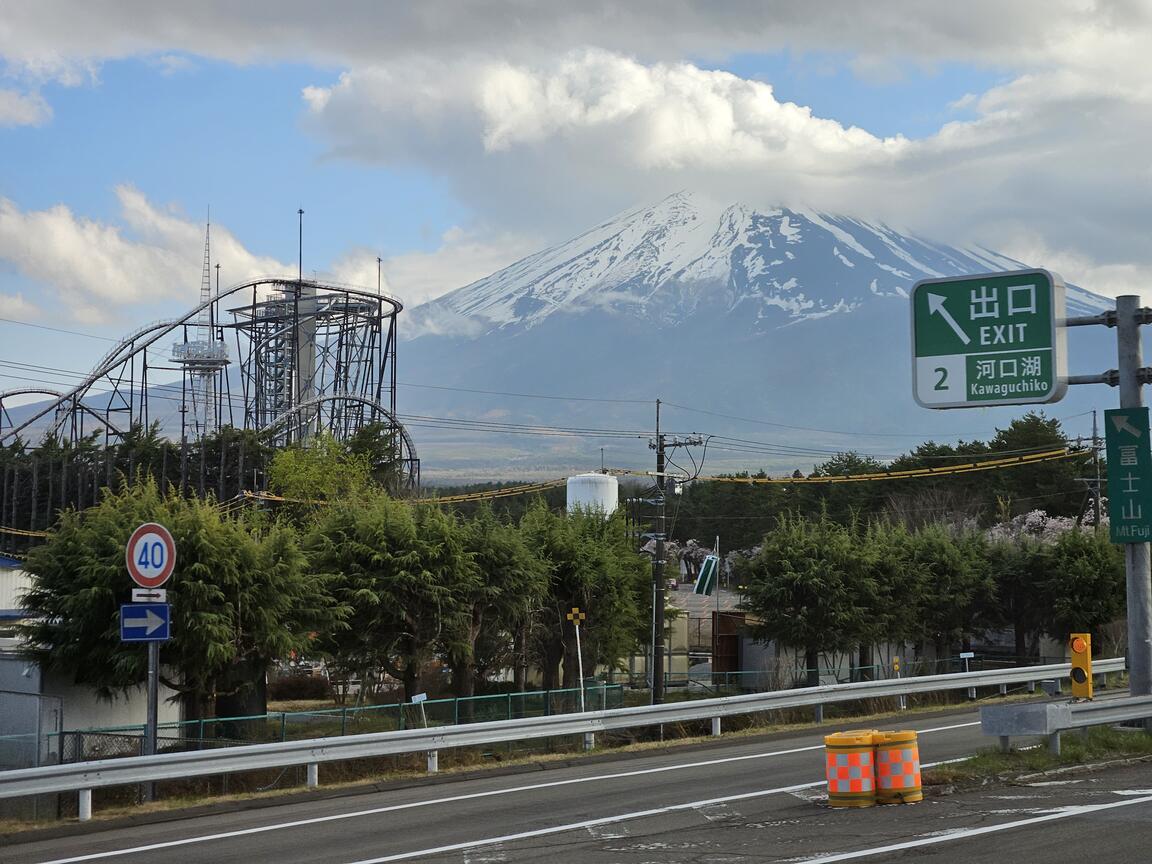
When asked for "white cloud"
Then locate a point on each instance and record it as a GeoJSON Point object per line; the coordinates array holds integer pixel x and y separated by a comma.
{"type": "Point", "coordinates": [15, 306]}
{"type": "Point", "coordinates": [1108, 279]}
{"type": "Point", "coordinates": [417, 277]}
{"type": "Point", "coordinates": [559, 144]}
{"type": "Point", "coordinates": [669, 115]}
{"type": "Point", "coordinates": [96, 267]}
{"type": "Point", "coordinates": [547, 116]}
{"type": "Point", "coordinates": [23, 109]}
{"type": "Point", "coordinates": [61, 37]}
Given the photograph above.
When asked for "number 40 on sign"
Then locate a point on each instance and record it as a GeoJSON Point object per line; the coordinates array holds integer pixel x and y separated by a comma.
{"type": "Point", "coordinates": [150, 555]}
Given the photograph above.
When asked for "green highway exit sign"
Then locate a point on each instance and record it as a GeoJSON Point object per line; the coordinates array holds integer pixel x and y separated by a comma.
{"type": "Point", "coordinates": [1129, 475]}
{"type": "Point", "coordinates": [992, 339]}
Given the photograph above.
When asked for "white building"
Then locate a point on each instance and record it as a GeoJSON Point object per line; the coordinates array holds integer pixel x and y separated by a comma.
{"type": "Point", "coordinates": [36, 705]}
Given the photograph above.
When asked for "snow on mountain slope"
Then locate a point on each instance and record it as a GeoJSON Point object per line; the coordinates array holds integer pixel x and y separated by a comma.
{"type": "Point", "coordinates": [684, 258]}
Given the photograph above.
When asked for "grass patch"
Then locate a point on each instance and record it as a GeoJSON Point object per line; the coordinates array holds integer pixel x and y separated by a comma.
{"type": "Point", "coordinates": [1101, 744]}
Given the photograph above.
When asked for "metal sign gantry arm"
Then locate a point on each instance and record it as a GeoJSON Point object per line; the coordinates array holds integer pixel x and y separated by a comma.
{"type": "Point", "coordinates": [1130, 376]}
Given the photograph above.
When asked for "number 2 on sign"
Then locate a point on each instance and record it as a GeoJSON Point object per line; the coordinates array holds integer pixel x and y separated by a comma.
{"type": "Point", "coordinates": [151, 555]}
{"type": "Point", "coordinates": [942, 384]}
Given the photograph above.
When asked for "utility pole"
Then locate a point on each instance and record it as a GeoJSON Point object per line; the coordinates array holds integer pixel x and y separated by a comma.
{"type": "Point", "coordinates": [658, 572]}
{"type": "Point", "coordinates": [1130, 355]}
{"type": "Point", "coordinates": [1130, 377]}
{"type": "Point", "coordinates": [660, 445]}
{"type": "Point", "coordinates": [1096, 444]}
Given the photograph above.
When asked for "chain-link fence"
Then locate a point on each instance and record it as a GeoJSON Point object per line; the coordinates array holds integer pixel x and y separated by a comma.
{"type": "Point", "coordinates": [30, 726]}
{"type": "Point", "coordinates": [87, 744]}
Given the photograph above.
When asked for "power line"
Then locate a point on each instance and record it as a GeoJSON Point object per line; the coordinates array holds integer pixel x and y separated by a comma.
{"type": "Point", "coordinates": [58, 330]}
{"type": "Point", "coordinates": [914, 473]}
{"type": "Point", "coordinates": [525, 395]}
{"type": "Point", "coordinates": [809, 428]}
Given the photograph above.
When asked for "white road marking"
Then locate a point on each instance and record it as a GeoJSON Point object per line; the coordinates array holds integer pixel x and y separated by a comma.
{"type": "Point", "coordinates": [317, 820]}
{"type": "Point", "coordinates": [573, 826]}
{"type": "Point", "coordinates": [495, 855]}
{"type": "Point", "coordinates": [963, 833]}
{"type": "Point", "coordinates": [717, 812]}
{"type": "Point", "coordinates": [609, 832]}
{"type": "Point", "coordinates": [605, 820]}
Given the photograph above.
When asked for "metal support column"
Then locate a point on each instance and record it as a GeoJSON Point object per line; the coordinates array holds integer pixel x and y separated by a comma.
{"type": "Point", "coordinates": [1136, 555]}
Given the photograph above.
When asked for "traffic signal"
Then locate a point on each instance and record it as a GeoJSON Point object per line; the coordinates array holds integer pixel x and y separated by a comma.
{"type": "Point", "coordinates": [1080, 645]}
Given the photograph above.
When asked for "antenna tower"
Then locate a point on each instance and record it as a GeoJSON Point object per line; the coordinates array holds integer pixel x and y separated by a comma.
{"type": "Point", "coordinates": [204, 356]}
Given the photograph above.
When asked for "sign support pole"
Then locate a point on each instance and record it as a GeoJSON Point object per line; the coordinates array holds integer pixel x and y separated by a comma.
{"type": "Point", "coordinates": [151, 719]}
{"type": "Point", "coordinates": [1136, 555]}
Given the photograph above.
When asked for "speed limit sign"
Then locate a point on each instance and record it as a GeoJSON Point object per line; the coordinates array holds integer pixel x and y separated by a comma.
{"type": "Point", "coordinates": [151, 555]}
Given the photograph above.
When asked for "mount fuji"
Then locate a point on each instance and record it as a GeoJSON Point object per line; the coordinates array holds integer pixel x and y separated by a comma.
{"type": "Point", "coordinates": [788, 317]}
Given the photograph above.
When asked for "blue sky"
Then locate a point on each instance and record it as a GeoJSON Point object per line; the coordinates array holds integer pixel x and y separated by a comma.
{"type": "Point", "coordinates": [452, 140]}
{"type": "Point", "coordinates": [211, 133]}
{"type": "Point", "coordinates": [907, 99]}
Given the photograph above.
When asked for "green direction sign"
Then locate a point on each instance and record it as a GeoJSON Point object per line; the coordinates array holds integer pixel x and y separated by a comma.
{"type": "Point", "coordinates": [993, 339]}
{"type": "Point", "coordinates": [1129, 475]}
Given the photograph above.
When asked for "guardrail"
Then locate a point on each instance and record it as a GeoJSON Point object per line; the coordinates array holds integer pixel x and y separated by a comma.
{"type": "Point", "coordinates": [86, 776]}
{"type": "Point", "coordinates": [1052, 718]}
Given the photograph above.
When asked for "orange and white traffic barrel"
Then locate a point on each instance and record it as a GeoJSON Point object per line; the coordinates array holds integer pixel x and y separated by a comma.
{"type": "Point", "coordinates": [850, 769]}
{"type": "Point", "coordinates": [897, 768]}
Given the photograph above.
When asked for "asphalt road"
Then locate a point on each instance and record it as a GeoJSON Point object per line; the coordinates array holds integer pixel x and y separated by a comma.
{"type": "Point", "coordinates": [736, 801]}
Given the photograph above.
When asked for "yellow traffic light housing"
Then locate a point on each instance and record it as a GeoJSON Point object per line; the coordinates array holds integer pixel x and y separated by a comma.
{"type": "Point", "coordinates": [1080, 646]}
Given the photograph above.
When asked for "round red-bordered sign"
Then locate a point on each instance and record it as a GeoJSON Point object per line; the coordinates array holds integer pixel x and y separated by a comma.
{"type": "Point", "coordinates": [150, 555]}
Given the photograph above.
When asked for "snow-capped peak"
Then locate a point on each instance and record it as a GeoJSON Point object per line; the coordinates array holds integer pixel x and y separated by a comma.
{"type": "Point", "coordinates": [686, 256]}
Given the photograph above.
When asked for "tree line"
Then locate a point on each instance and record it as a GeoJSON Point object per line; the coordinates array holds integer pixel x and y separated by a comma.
{"type": "Point", "coordinates": [740, 514]}
{"type": "Point", "coordinates": [342, 571]}
{"type": "Point", "coordinates": [823, 587]}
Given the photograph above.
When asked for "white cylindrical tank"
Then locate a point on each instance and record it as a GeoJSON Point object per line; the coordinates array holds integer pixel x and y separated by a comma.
{"type": "Point", "coordinates": [600, 492]}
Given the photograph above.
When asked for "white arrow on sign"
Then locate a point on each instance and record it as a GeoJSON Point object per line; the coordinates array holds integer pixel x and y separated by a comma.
{"type": "Point", "coordinates": [1122, 425]}
{"type": "Point", "coordinates": [150, 621]}
{"type": "Point", "coordinates": [936, 304]}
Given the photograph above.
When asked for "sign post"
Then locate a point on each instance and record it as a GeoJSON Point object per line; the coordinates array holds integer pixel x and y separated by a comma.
{"type": "Point", "coordinates": [1130, 358]}
{"type": "Point", "coordinates": [1129, 475]}
{"type": "Point", "coordinates": [433, 755]}
{"type": "Point", "coordinates": [993, 339]}
{"type": "Point", "coordinates": [151, 557]}
{"type": "Point", "coordinates": [576, 616]}
{"type": "Point", "coordinates": [966, 656]}
{"type": "Point", "coordinates": [999, 339]}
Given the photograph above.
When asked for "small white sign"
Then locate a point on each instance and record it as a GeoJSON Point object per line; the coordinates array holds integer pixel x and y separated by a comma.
{"type": "Point", "coordinates": [149, 595]}
{"type": "Point", "coordinates": [418, 698]}
{"type": "Point", "coordinates": [967, 655]}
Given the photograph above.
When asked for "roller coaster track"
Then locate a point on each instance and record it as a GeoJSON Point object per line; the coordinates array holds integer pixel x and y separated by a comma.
{"type": "Point", "coordinates": [352, 342]}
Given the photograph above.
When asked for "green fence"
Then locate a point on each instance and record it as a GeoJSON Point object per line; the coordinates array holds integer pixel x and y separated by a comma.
{"type": "Point", "coordinates": [291, 725]}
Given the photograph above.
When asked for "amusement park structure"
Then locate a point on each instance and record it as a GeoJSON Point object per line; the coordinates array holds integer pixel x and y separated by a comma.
{"type": "Point", "coordinates": [287, 358]}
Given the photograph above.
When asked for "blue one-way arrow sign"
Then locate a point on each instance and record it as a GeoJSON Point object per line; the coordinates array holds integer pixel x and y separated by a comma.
{"type": "Point", "coordinates": [144, 622]}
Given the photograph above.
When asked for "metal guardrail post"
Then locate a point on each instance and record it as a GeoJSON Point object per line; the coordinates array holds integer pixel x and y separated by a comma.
{"type": "Point", "coordinates": [1054, 743]}
{"type": "Point", "coordinates": [433, 761]}
{"type": "Point", "coordinates": [313, 779]}
{"type": "Point", "coordinates": [715, 727]}
{"type": "Point", "coordinates": [818, 712]}
{"type": "Point", "coordinates": [85, 805]}
{"type": "Point", "coordinates": [53, 779]}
